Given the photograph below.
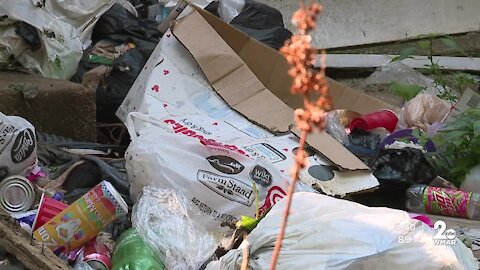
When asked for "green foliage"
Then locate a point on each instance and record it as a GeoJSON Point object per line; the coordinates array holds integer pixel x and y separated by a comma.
{"type": "Point", "coordinates": [460, 146]}
{"type": "Point", "coordinates": [406, 91]}
{"type": "Point", "coordinates": [450, 43]}
{"type": "Point", "coordinates": [463, 80]}
{"type": "Point", "coordinates": [249, 223]}
{"type": "Point", "coordinates": [459, 80]}
{"type": "Point", "coordinates": [424, 44]}
{"type": "Point", "coordinates": [405, 53]}
{"type": "Point", "coordinates": [422, 137]}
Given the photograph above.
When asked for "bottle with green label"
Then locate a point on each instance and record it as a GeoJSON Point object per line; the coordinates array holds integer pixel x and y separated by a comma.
{"type": "Point", "coordinates": [132, 253]}
{"type": "Point", "coordinates": [443, 201]}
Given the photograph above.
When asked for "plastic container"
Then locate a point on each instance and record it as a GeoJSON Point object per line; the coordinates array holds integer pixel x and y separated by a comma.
{"type": "Point", "coordinates": [443, 201]}
{"type": "Point", "coordinates": [47, 209]}
{"type": "Point", "coordinates": [384, 118]}
{"type": "Point", "coordinates": [133, 253]}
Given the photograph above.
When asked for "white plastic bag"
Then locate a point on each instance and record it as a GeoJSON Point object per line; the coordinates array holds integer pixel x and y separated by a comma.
{"type": "Point", "coordinates": [423, 111]}
{"type": "Point", "coordinates": [64, 29]}
{"type": "Point", "coordinates": [328, 233]}
{"type": "Point", "coordinates": [162, 219]}
{"type": "Point", "coordinates": [18, 146]}
{"type": "Point", "coordinates": [208, 161]}
{"type": "Point", "coordinates": [229, 9]}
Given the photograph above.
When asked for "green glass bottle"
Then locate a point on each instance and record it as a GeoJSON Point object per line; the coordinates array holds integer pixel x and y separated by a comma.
{"type": "Point", "coordinates": [132, 253]}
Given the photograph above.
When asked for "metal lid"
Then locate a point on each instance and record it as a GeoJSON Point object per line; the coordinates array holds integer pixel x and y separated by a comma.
{"type": "Point", "coordinates": [16, 194]}
{"type": "Point", "coordinates": [97, 265]}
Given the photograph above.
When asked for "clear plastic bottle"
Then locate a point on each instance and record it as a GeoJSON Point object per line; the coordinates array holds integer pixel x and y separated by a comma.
{"type": "Point", "coordinates": [443, 201]}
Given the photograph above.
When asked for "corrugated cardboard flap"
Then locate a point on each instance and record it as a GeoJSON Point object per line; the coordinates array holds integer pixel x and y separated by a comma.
{"type": "Point", "coordinates": [216, 47]}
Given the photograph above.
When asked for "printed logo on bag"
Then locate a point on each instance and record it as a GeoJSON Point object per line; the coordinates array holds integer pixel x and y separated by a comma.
{"type": "Point", "coordinates": [195, 127]}
{"type": "Point", "coordinates": [23, 146]}
{"type": "Point", "coordinates": [265, 151]}
{"type": "Point", "coordinates": [274, 195]}
{"type": "Point", "coordinates": [261, 176]}
{"type": "Point", "coordinates": [5, 131]}
{"type": "Point", "coordinates": [227, 187]}
{"type": "Point", "coordinates": [226, 164]}
{"type": "Point", "coordinates": [3, 172]}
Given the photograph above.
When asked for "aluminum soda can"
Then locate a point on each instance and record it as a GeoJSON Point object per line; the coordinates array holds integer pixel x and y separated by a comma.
{"type": "Point", "coordinates": [97, 255]}
{"type": "Point", "coordinates": [83, 219]}
{"type": "Point", "coordinates": [17, 194]}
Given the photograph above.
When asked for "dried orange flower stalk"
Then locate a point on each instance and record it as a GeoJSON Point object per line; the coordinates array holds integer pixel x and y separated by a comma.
{"type": "Point", "coordinates": [307, 82]}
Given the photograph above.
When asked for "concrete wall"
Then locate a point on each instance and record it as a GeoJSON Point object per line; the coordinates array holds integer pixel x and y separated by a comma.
{"type": "Point", "coordinates": [355, 22]}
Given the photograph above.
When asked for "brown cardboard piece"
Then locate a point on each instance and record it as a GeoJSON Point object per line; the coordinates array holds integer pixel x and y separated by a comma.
{"type": "Point", "coordinates": [252, 78]}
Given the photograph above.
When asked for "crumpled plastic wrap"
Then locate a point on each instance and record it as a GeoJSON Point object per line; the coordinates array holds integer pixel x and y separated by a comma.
{"type": "Point", "coordinates": [423, 111]}
{"type": "Point", "coordinates": [162, 219]}
{"type": "Point", "coordinates": [336, 129]}
{"type": "Point", "coordinates": [401, 73]}
{"type": "Point", "coordinates": [229, 9]}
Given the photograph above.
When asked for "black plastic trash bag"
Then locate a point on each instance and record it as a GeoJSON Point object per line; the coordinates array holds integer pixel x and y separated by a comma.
{"type": "Point", "coordinates": [259, 21]}
{"type": "Point", "coordinates": [121, 27]}
{"type": "Point", "coordinates": [363, 144]}
{"type": "Point", "coordinates": [403, 165]}
{"type": "Point", "coordinates": [118, 24]}
{"type": "Point", "coordinates": [29, 33]}
{"type": "Point", "coordinates": [396, 170]}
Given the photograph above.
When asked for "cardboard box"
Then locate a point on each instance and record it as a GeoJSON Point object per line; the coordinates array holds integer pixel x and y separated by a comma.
{"type": "Point", "coordinates": [252, 79]}
{"type": "Point", "coordinates": [470, 99]}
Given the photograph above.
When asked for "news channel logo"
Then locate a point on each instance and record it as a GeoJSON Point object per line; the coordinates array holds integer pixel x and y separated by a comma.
{"type": "Point", "coordinates": [443, 236]}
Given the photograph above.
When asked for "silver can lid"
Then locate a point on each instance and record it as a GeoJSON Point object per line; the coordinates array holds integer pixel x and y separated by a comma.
{"type": "Point", "coordinates": [16, 194]}
{"type": "Point", "coordinates": [97, 265]}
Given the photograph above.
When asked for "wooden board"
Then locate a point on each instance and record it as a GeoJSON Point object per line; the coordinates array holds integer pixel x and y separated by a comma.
{"type": "Point", "coordinates": [28, 251]}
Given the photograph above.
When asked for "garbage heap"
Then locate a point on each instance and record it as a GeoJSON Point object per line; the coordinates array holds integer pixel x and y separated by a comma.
{"type": "Point", "coordinates": [194, 174]}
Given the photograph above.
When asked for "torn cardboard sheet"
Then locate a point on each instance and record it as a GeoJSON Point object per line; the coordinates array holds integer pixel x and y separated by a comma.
{"type": "Point", "coordinates": [174, 82]}
{"type": "Point", "coordinates": [470, 99]}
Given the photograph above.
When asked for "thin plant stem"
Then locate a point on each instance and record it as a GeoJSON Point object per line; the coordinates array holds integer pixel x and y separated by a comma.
{"type": "Point", "coordinates": [301, 56]}
{"type": "Point", "coordinates": [286, 211]}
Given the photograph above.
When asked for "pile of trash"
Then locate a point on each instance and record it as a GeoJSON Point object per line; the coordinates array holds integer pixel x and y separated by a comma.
{"type": "Point", "coordinates": [201, 180]}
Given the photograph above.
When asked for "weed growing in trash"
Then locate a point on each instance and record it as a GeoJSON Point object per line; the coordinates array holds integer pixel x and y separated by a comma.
{"type": "Point", "coordinates": [307, 82]}
{"type": "Point", "coordinates": [460, 144]}
{"type": "Point", "coordinates": [458, 80]}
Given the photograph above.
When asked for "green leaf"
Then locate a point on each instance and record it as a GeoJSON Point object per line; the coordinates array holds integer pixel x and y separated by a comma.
{"type": "Point", "coordinates": [405, 53]}
{"type": "Point", "coordinates": [450, 43]}
{"type": "Point", "coordinates": [406, 91]}
{"type": "Point", "coordinates": [476, 129]}
{"type": "Point", "coordinates": [424, 44]}
{"type": "Point", "coordinates": [416, 133]}
{"type": "Point", "coordinates": [249, 223]}
{"type": "Point", "coordinates": [453, 135]}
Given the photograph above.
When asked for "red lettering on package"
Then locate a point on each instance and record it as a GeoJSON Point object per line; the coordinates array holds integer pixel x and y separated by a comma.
{"type": "Point", "coordinates": [180, 129]}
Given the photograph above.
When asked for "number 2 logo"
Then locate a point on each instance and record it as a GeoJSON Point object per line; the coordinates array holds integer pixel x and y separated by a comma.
{"type": "Point", "coordinates": [442, 232]}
